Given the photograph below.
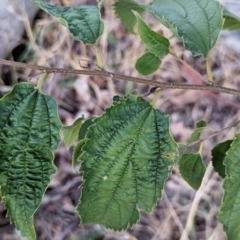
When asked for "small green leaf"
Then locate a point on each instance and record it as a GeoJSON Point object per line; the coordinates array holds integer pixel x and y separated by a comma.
{"type": "Point", "coordinates": [229, 212]}
{"type": "Point", "coordinates": [197, 22]}
{"type": "Point", "coordinates": [84, 128]}
{"type": "Point", "coordinates": [200, 126]}
{"type": "Point", "coordinates": [148, 63]}
{"type": "Point", "coordinates": [77, 152]}
{"type": "Point", "coordinates": [70, 133]}
{"type": "Point", "coordinates": [84, 22]}
{"type": "Point", "coordinates": [192, 169]}
{"type": "Point", "coordinates": [232, 22]}
{"type": "Point", "coordinates": [156, 43]}
{"type": "Point", "coordinates": [125, 163]}
{"type": "Point", "coordinates": [29, 133]}
{"type": "Point", "coordinates": [123, 9]}
{"type": "Point", "coordinates": [218, 155]}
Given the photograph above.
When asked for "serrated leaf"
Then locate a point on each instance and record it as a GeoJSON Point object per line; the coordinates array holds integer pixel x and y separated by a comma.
{"type": "Point", "coordinates": [148, 63]}
{"type": "Point", "coordinates": [229, 212]}
{"type": "Point", "coordinates": [70, 133]}
{"type": "Point", "coordinates": [156, 43]}
{"type": "Point", "coordinates": [232, 22]}
{"type": "Point", "coordinates": [125, 162]}
{"type": "Point", "coordinates": [192, 169]}
{"type": "Point", "coordinates": [123, 9]}
{"type": "Point", "coordinates": [200, 126]}
{"type": "Point", "coordinates": [84, 22]}
{"type": "Point", "coordinates": [197, 22]}
{"type": "Point", "coordinates": [77, 152]}
{"type": "Point", "coordinates": [30, 128]}
{"type": "Point", "coordinates": [84, 128]}
{"type": "Point", "coordinates": [218, 155]}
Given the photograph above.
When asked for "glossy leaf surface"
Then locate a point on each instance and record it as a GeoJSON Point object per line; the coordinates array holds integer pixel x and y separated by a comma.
{"type": "Point", "coordinates": [70, 133]}
{"type": "Point", "coordinates": [229, 212]}
{"type": "Point", "coordinates": [148, 63]}
{"type": "Point", "coordinates": [156, 43]}
{"type": "Point", "coordinates": [197, 22]}
{"type": "Point", "coordinates": [218, 155]}
{"type": "Point", "coordinates": [30, 128]}
{"type": "Point", "coordinates": [123, 9]}
{"type": "Point", "coordinates": [84, 22]}
{"type": "Point", "coordinates": [125, 162]}
{"type": "Point", "coordinates": [192, 169]}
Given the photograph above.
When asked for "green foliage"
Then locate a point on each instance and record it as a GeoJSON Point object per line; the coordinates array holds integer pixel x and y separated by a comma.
{"type": "Point", "coordinates": [29, 132]}
{"type": "Point", "coordinates": [218, 155]}
{"type": "Point", "coordinates": [70, 133]}
{"type": "Point", "coordinates": [77, 152]}
{"type": "Point", "coordinates": [84, 128]}
{"type": "Point", "coordinates": [125, 162]}
{"type": "Point", "coordinates": [123, 9]}
{"type": "Point", "coordinates": [148, 63]}
{"type": "Point", "coordinates": [201, 125]}
{"type": "Point", "coordinates": [84, 23]}
{"type": "Point", "coordinates": [229, 212]}
{"type": "Point", "coordinates": [197, 22]}
{"type": "Point", "coordinates": [231, 22]}
{"type": "Point", "coordinates": [192, 169]}
{"type": "Point", "coordinates": [156, 43]}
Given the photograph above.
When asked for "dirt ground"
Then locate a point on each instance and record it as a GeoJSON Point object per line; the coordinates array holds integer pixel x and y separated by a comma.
{"type": "Point", "coordinates": [181, 207]}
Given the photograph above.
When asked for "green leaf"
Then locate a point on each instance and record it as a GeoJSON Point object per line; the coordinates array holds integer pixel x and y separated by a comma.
{"type": "Point", "coordinates": [218, 155]}
{"type": "Point", "coordinates": [232, 22]}
{"type": "Point", "coordinates": [197, 22]}
{"type": "Point", "coordinates": [123, 9]}
{"type": "Point", "coordinates": [70, 133]}
{"type": "Point", "coordinates": [192, 169]}
{"type": "Point", "coordinates": [77, 152]}
{"type": "Point", "coordinates": [84, 128]}
{"type": "Point", "coordinates": [30, 128]}
{"type": "Point", "coordinates": [125, 162]}
{"type": "Point", "coordinates": [148, 63]}
{"type": "Point", "coordinates": [200, 126]}
{"type": "Point", "coordinates": [84, 22]}
{"type": "Point", "coordinates": [229, 212]}
{"type": "Point", "coordinates": [155, 42]}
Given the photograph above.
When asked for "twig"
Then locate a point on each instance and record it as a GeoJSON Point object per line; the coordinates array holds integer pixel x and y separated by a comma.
{"type": "Point", "coordinates": [103, 73]}
{"type": "Point", "coordinates": [214, 134]}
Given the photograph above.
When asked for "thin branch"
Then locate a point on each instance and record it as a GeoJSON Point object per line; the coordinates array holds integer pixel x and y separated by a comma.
{"type": "Point", "coordinates": [214, 134]}
{"type": "Point", "coordinates": [103, 73]}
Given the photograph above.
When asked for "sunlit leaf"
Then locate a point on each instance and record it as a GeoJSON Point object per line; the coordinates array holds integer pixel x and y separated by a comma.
{"type": "Point", "coordinates": [29, 133]}
{"type": "Point", "coordinates": [84, 22]}
{"type": "Point", "coordinates": [125, 163]}
{"type": "Point", "coordinates": [192, 169]}
{"type": "Point", "coordinates": [197, 22]}
{"type": "Point", "coordinates": [229, 212]}
{"type": "Point", "coordinates": [148, 63]}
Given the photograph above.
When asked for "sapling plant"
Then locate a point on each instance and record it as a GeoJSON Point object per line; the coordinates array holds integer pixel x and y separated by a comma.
{"type": "Point", "coordinates": [128, 152]}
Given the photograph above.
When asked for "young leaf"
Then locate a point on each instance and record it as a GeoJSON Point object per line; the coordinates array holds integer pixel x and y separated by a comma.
{"type": "Point", "coordinates": [229, 212]}
{"type": "Point", "coordinates": [201, 125]}
{"type": "Point", "coordinates": [148, 63]}
{"type": "Point", "coordinates": [232, 22]}
{"type": "Point", "coordinates": [84, 128]}
{"type": "Point", "coordinates": [218, 155]}
{"type": "Point", "coordinates": [84, 22]}
{"type": "Point", "coordinates": [197, 22]}
{"type": "Point", "coordinates": [156, 43]}
{"type": "Point", "coordinates": [70, 133]}
{"type": "Point", "coordinates": [77, 152]}
{"type": "Point", "coordinates": [30, 128]}
{"type": "Point", "coordinates": [192, 169]}
{"type": "Point", "coordinates": [125, 162]}
{"type": "Point", "coordinates": [123, 9]}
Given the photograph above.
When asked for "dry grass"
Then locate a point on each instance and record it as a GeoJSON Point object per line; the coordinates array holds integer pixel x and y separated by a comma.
{"type": "Point", "coordinates": [182, 213]}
